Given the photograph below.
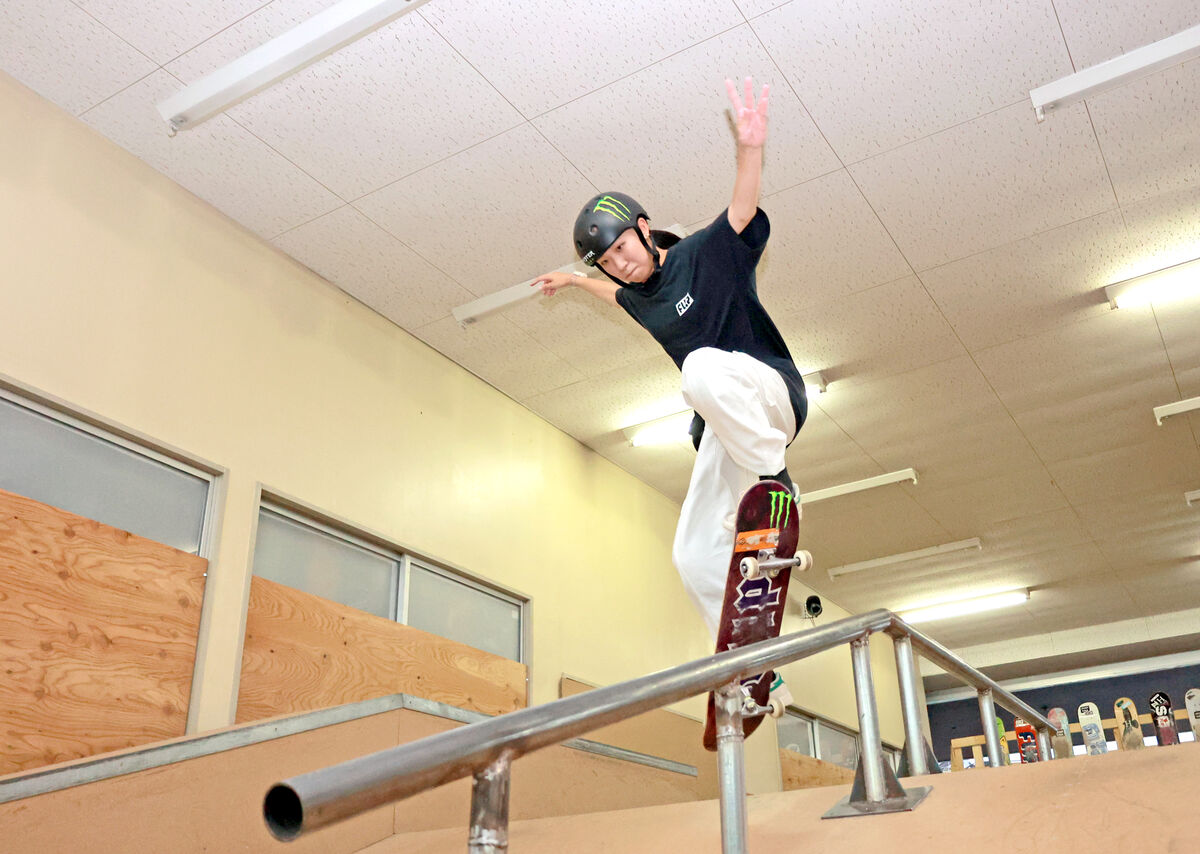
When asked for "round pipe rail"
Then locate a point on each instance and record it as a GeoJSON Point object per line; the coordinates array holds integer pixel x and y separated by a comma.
{"type": "Point", "coordinates": [319, 798]}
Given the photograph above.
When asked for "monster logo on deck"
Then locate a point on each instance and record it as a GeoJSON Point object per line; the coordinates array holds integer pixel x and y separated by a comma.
{"type": "Point", "coordinates": [781, 508]}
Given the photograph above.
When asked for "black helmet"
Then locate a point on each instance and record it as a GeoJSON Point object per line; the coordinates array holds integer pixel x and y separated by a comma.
{"type": "Point", "coordinates": [602, 221]}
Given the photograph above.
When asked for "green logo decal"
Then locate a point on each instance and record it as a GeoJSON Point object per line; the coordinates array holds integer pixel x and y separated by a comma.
{"type": "Point", "coordinates": [781, 508]}
{"type": "Point", "coordinates": [613, 207]}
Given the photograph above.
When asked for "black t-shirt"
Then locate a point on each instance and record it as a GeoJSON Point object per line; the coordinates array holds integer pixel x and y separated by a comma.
{"type": "Point", "coordinates": [706, 295]}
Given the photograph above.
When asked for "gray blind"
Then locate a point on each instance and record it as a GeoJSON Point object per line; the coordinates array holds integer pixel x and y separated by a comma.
{"type": "Point", "coordinates": [465, 613]}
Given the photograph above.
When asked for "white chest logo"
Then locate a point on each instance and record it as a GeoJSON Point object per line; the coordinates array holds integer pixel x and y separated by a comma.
{"type": "Point", "coordinates": [684, 304]}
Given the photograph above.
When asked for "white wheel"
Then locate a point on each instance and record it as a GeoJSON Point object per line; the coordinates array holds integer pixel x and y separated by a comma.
{"type": "Point", "coordinates": [749, 568]}
{"type": "Point", "coordinates": [804, 560]}
{"type": "Point", "coordinates": [776, 707]}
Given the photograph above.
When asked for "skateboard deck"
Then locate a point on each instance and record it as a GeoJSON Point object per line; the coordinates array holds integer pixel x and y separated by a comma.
{"type": "Point", "coordinates": [1192, 700]}
{"type": "Point", "coordinates": [1004, 758]}
{"type": "Point", "coordinates": [767, 529]}
{"type": "Point", "coordinates": [1027, 746]}
{"type": "Point", "coordinates": [1060, 741]}
{"type": "Point", "coordinates": [1092, 728]}
{"type": "Point", "coordinates": [1164, 719]}
{"type": "Point", "coordinates": [1129, 728]}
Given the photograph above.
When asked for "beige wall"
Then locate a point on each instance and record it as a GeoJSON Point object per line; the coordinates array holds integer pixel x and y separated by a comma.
{"type": "Point", "coordinates": [130, 298]}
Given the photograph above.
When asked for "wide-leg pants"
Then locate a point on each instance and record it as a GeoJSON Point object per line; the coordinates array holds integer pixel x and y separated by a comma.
{"type": "Point", "coordinates": [748, 423]}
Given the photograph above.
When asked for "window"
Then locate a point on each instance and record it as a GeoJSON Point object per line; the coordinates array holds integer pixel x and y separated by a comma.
{"type": "Point", "coordinates": [332, 562]}
{"type": "Point", "coordinates": [812, 736]}
{"type": "Point", "coordinates": [55, 459]}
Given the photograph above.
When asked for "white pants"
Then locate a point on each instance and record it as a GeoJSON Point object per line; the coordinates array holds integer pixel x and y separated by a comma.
{"type": "Point", "coordinates": [748, 423]}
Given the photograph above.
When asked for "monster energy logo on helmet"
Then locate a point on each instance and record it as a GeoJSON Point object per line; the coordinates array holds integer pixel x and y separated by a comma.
{"type": "Point", "coordinates": [781, 508]}
{"type": "Point", "coordinates": [616, 207]}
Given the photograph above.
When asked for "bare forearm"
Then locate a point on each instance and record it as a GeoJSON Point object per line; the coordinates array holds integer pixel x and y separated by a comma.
{"type": "Point", "coordinates": [601, 289]}
{"type": "Point", "coordinates": [746, 187]}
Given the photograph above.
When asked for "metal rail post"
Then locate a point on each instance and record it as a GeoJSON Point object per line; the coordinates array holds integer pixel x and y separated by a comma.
{"type": "Point", "coordinates": [489, 808]}
{"type": "Point", "coordinates": [987, 716]}
{"type": "Point", "coordinates": [731, 768]}
{"type": "Point", "coordinates": [1043, 742]}
{"type": "Point", "coordinates": [906, 673]}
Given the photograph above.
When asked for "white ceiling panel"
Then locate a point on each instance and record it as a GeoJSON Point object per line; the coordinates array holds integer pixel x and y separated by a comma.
{"type": "Point", "coordinates": [220, 161]}
{"type": "Point", "coordinates": [472, 213]}
{"type": "Point", "coordinates": [823, 455]}
{"type": "Point", "coordinates": [499, 36]}
{"type": "Point", "coordinates": [591, 335]}
{"type": "Point", "coordinates": [1158, 112]}
{"type": "Point", "coordinates": [862, 526]}
{"type": "Point", "coordinates": [369, 264]}
{"type": "Point", "coordinates": [1170, 462]}
{"type": "Point", "coordinates": [500, 353]}
{"type": "Point", "coordinates": [1034, 284]}
{"type": "Point", "coordinates": [163, 29]}
{"type": "Point", "coordinates": [1097, 30]}
{"type": "Point", "coordinates": [826, 242]}
{"type": "Point", "coordinates": [870, 335]}
{"type": "Point", "coordinates": [964, 508]}
{"type": "Point", "coordinates": [877, 75]}
{"type": "Point", "coordinates": [361, 118]}
{"type": "Point", "coordinates": [991, 181]}
{"type": "Point", "coordinates": [66, 55]}
{"type": "Point", "coordinates": [663, 134]}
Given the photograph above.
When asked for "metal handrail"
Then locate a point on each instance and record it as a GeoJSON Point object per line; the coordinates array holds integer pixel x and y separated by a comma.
{"type": "Point", "coordinates": [486, 749]}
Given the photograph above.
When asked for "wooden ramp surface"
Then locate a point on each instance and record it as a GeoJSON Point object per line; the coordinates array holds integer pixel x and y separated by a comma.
{"type": "Point", "coordinates": [1136, 801]}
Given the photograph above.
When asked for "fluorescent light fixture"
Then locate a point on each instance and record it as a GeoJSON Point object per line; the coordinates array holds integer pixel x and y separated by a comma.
{"type": "Point", "coordinates": [961, 607]}
{"type": "Point", "coordinates": [1168, 409]}
{"type": "Point", "coordinates": [1126, 68]}
{"type": "Point", "coordinates": [660, 431]}
{"type": "Point", "coordinates": [1192, 497]}
{"type": "Point", "coordinates": [859, 485]}
{"type": "Point", "coordinates": [814, 384]}
{"type": "Point", "coordinates": [267, 64]}
{"type": "Point", "coordinates": [1161, 286]}
{"type": "Point", "coordinates": [904, 557]}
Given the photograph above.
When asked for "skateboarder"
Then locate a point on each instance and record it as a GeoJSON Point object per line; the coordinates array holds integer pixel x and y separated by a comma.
{"type": "Point", "coordinates": [698, 298]}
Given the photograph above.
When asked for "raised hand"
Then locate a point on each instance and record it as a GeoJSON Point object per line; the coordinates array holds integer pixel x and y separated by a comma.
{"type": "Point", "coordinates": [749, 118]}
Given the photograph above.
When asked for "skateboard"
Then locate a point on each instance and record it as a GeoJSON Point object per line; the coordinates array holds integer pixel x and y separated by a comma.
{"type": "Point", "coordinates": [764, 553]}
{"type": "Point", "coordinates": [1093, 729]}
{"type": "Point", "coordinates": [1004, 758]}
{"type": "Point", "coordinates": [1027, 747]}
{"type": "Point", "coordinates": [1192, 701]}
{"type": "Point", "coordinates": [1164, 719]}
{"type": "Point", "coordinates": [1128, 728]}
{"type": "Point", "coordinates": [1060, 742]}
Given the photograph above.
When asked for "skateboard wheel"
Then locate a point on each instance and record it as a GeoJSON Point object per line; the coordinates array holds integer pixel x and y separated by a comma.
{"type": "Point", "coordinates": [749, 568]}
{"type": "Point", "coordinates": [776, 707]}
{"type": "Point", "coordinates": [804, 560]}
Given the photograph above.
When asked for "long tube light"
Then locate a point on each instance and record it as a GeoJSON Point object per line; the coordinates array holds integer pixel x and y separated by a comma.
{"type": "Point", "coordinates": [1128, 67]}
{"type": "Point", "coordinates": [961, 607]}
{"type": "Point", "coordinates": [267, 64]}
{"type": "Point", "coordinates": [1161, 286]}
{"type": "Point", "coordinates": [904, 557]}
{"type": "Point", "coordinates": [1178, 408]}
{"type": "Point", "coordinates": [859, 485]}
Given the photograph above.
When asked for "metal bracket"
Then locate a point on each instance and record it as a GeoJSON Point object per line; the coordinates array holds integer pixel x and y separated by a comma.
{"type": "Point", "coordinates": [896, 799]}
{"type": "Point", "coordinates": [931, 760]}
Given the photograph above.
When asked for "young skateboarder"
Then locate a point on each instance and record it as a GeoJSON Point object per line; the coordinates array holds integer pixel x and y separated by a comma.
{"type": "Point", "coordinates": [698, 298]}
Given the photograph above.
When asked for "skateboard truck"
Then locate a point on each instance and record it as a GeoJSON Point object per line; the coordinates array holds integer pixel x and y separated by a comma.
{"type": "Point", "coordinates": [756, 567]}
{"type": "Point", "coordinates": [751, 709]}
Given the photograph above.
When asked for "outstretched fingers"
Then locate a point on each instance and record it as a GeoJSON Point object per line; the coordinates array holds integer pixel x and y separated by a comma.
{"type": "Point", "coordinates": [745, 102]}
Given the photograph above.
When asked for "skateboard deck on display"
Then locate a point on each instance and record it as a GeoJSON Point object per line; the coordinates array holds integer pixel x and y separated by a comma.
{"type": "Point", "coordinates": [1092, 728]}
{"type": "Point", "coordinates": [1192, 701]}
{"type": "Point", "coordinates": [1060, 741]}
{"type": "Point", "coordinates": [1129, 728]}
{"type": "Point", "coordinates": [1004, 757]}
{"type": "Point", "coordinates": [1164, 719]}
{"type": "Point", "coordinates": [764, 553]}
{"type": "Point", "coordinates": [1027, 746]}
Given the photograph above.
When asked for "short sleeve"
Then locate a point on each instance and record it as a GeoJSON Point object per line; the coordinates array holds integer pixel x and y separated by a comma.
{"type": "Point", "coordinates": [743, 249]}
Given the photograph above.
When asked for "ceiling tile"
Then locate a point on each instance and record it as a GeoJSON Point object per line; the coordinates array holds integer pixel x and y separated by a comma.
{"type": "Point", "coordinates": [1170, 462]}
{"type": "Point", "coordinates": [1155, 114]}
{"type": "Point", "coordinates": [499, 353]}
{"type": "Point", "coordinates": [219, 161]}
{"type": "Point", "coordinates": [963, 509]}
{"type": "Point", "coordinates": [1098, 31]}
{"type": "Point", "coordinates": [822, 455]}
{"type": "Point", "coordinates": [495, 215]}
{"type": "Point", "coordinates": [825, 242]}
{"type": "Point", "coordinates": [374, 267]}
{"type": "Point", "coordinates": [862, 526]}
{"type": "Point", "coordinates": [663, 134]}
{"type": "Point", "coordinates": [991, 181]}
{"type": "Point", "coordinates": [877, 75]}
{"type": "Point", "coordinates": [66, 55]}
{"type": "Point", "coordinates": [1039, 283]}
{"type": "Point", "coordinates": [361, 117]}
{"type": "Point", "coordinates": [163, 29]}
{"type": "Point", "coordinates": [869, 335]}
{"type": "Point", "coordinates": [591, 335]}
{"type": "Point", "coordinates": [499, 37]}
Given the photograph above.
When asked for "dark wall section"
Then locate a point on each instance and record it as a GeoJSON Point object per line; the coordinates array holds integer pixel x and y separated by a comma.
{"type": "Point", "coordinates": [961, 717]}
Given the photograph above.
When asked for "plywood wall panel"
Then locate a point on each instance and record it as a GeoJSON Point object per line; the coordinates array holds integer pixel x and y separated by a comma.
{"type": "Point", "coordinates": [805, 772]}
{"type": "Point", "coordinates": [303, 652]}
{"type": "Point", "coordinates": [97, 636]}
